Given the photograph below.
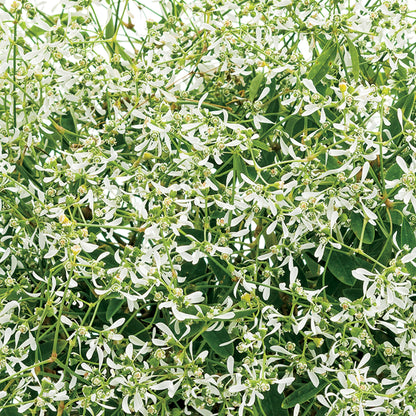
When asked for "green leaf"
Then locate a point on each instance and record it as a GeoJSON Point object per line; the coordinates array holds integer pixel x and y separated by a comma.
{"type": "Point", "coordinates": [198, 234]}
{"type": "Point", "coordinates": [113, 307]}
{"type": "Point", "coordinates": [353, 293]}
{"type": "Point", "coordinates": [261, 145]}
{"type": "Point", "coordinates": [321, 66]}
{"type": "Point", "coordinates": [394, 172]}
{"type": "Point", "coordinates": [119, 49]}
{"type": "Point", "coordinates": [406, 104]}
{"type": "Point", "coordinates": [275, 109]}
{"type": "Point", "coordinates": [272, 404]}
{"type": "Point", "coordinates": [192, 270]}
{"type": "Point", "coordinates": [255, 86]}
{"type": "Point", "coordinates": [176, 8]}
{"type": "Point", "coordinates": [368, 71]}
{"type": "Point", "coordinates": [47, 348]}
{"type": "Point", "coordinates": [407, 235]}
{"type": "Point", "coordinates": [219, 268]}
{"type": "Point", "coordinates": [341, 266]}
{"type": "Point", "coordinates": [239, 166]}
{"type": "Point", "coordinates": [109, 30]}
{"type": "Point", "coordinates": [215, 338]}
{"type": "Point", "coordinates": [36, 30]}
{"type": "Point", "coordinates": [294, 125]}
{"type": "Point", "coordinates": [385, 255]}
{"type": "Point", "coordinates": [302, 395]}
{"type": "Point", "coordinates": [323, 411]}
{"type": "Point", "coordinates": [357, 224]}
{"type": "Point", "coordinates": [244, 313]}
{"type": "Point", "coordinates": [68, 123]}
{"type": "Point", "coordinates": [329, 161]}
{"type": "Point", "coordinates": [313, 266]}
{"type": "Point", "coordinates": [190, 330]}
{"type": "Point", "coordinates": [355, 59]}
{"type": "Point", "coordinates": [396, 216]}
{"type": "Point", "coordinates": [135, 327]}
{"type": "Point", "coordinates": [11, 411]}
{"type": "Point", "coordinates": [26, 171]}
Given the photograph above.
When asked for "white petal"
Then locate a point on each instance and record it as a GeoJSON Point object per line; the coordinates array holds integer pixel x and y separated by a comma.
{"type": "Point", "coordinates": [51, 253]}
{"type": "Point", "coordinates": [264, 93]}
{"type": "Point", "coordinates": [116, 324]}
{"type": "Point", "coordinates": [66, 320]}
{"type": "Point", "coordinates": [296, 409]}
{"type": "Point", "coordinates": [314, 378]}
{"type": "Point", "coordinates": [271, 227]}
{"type": "Point", "coordinates": [364, 360]}
{"type": "Point", "coordinates": [125, 405]}
{"type": "Point", "coordinates": [88, 247]}
{"type": "Point", "coordinates": [402, 164]}
{"type": "Point", "coordinates": [202, 99]}
{"type": "Point", "coordinates": [24, 407]}
{"type": "Point", "coordinates": [400, 117]}
{"type": "Point", "coordinates": [370, 214]}
{"type": "Point", "coordinates": [230, 364]}
{"type": "Point", "coordinates": [308, 83]}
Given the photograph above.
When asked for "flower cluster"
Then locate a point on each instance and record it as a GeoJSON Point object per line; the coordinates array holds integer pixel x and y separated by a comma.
{"type": "Point", "coordinates": [207, 207]}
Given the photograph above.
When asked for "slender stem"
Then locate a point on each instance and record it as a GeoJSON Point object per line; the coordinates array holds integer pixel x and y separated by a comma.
{"type": "Point", "coordinates": [14, 73]}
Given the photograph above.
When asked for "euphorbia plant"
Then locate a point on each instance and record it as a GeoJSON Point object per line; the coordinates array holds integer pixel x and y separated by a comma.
{"type": "Point", "coordinates": [207, 207]}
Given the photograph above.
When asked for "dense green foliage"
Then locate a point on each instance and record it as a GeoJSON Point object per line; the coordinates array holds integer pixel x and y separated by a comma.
{"type": "Point", "coordinates": [207, 207]}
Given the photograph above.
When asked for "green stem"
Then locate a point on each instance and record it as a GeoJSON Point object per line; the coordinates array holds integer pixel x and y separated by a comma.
{"type": "Point", "coordinates": [61, 309]}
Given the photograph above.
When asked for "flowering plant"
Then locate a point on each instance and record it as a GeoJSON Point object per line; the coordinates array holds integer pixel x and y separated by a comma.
{"type": "Point", "coordinates": [207, 207]}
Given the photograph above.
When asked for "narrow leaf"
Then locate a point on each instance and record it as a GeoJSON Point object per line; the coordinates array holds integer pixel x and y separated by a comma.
{"type": "Point", "coordinates": [261, 145]}
{"type": "Point", "coordinates": [355, 59]}
{"type": "Point", "coordinates": [113, 307]}
{"type": "Point", "coordinates": [239, 165]}
{"type": "Point", "coordinates": [385, 255]}
{"type": "Point", "coordinates": [407, 235]}
{"type": "Point", "coordinates": [302, 395]}
{"type": "Point", "coordinates": [255, 86]}
{"type": "Point", "coordinates": [109, 29]}
{"type": "Point", "coordinates": [321, 66]}
{"type": "Point", "coordinates": [405, 104]}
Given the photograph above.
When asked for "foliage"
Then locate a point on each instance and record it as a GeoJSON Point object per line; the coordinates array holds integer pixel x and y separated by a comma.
{"type": "Point", "coordinates": [213, 214]}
